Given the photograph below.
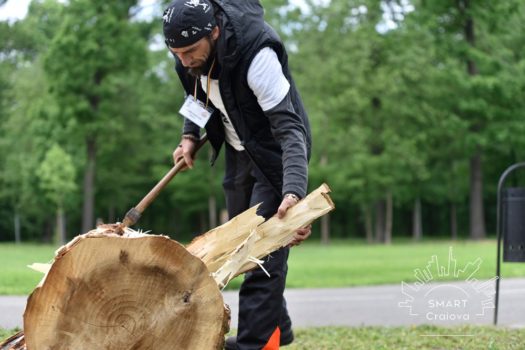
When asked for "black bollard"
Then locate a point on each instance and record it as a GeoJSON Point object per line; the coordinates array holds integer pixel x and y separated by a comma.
{"type": "Point", "coordinates": [510, 225]}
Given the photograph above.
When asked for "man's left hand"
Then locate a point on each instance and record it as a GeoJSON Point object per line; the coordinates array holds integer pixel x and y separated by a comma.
{"type": "Point", "coordinates": [302, 233]}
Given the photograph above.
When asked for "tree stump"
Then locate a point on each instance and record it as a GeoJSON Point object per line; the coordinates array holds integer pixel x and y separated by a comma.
{"type": "Point", "coordinates": [113, 292]}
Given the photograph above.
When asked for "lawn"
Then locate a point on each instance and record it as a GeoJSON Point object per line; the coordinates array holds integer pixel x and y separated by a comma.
{"type": "Point", "coordinates": [344, 264]}
{"type": "Point", "coordinates": [408, 338]}
{"type": "Point", "coordinates": [341, 264]}
{"type": "Point", "coordinates": [400, 338]}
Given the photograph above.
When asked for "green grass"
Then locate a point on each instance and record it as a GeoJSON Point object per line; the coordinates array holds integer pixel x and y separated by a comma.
{"type": "Point", "coordinates": [15, 277]}
{"type": "Point", "coordinates": [400, 338]}
{"type": "Point", "coordinates": [408, 338]}
{"type": "Point", "coordinates": [341, 264]}
{"type": "Point", "coordinates": [346, 264]}
{"type": "Point", "coordinates": [6, 333]}
{"type": "Point", "coordinates": [350, 263]}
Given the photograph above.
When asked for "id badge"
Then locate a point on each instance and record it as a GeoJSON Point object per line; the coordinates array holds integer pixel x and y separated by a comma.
{"type": "Point", "coordinates": [195, 111]}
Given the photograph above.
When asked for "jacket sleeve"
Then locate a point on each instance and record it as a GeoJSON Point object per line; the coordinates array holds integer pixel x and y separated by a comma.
{"type": "Point", "coordinates": [289, 131]}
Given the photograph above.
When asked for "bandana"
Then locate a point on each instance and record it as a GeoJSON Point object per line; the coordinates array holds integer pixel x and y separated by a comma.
{"type": "Point", "coordinates": [187, 21]}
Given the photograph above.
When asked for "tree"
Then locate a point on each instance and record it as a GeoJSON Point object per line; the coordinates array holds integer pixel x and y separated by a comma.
{"type": "Point", "coordinates": [57, 180]}
{"type": "Point", "coordinates": [96, 47]}
{"type": "Point", "coordinates": [26, 114]}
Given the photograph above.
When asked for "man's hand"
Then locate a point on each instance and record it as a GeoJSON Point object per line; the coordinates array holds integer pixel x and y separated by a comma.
{"type": "Point", "coordinates": [184, 150]}
{"type": "Point", "coordinates": [302, 233]}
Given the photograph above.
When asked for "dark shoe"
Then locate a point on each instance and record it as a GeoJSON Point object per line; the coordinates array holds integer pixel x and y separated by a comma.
{"type": "Point", "coordinates": [286, 339]}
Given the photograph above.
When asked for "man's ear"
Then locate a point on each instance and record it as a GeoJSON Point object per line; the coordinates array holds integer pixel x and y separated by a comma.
{"type": "Point", "coordinates": [215, 33]}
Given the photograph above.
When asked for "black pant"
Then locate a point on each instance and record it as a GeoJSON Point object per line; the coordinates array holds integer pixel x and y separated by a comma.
{"type": "Point", "coordinates": [262, 307]}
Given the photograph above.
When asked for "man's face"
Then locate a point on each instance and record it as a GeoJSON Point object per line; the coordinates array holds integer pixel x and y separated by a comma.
{"type": "Point", "coordinates": [196, 55]}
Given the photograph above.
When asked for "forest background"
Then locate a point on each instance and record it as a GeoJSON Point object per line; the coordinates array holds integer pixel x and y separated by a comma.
{"type": "Point", "coordinates": [416, 107]}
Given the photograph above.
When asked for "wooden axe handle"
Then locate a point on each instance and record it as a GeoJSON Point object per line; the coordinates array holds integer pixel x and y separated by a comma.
{"type": "Point", "coordinates": [133, 215]}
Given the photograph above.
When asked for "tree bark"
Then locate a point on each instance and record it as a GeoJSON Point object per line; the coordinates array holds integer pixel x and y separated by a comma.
{"type": "Point", "coordinates": [111, 212]}
{"type": "Point", "coordinates": [325, 220]}
{"type": "Point", "coordinates": [325, 229]}
{"type": "Point", "coordinates": [380, 222]}
{"type": "Point", "coordinates": [212, 210]}
{"type": "Point", "coordinates": [476, 211]}
{"type": "Point", "coordinates": [417, 223]}
{"type": "Point", "coordinates": [61, 226]}
{"type": "Point", "coordinates": [453, 221]}
{"type": "Point", "coordinates": [18, 234]}
{"type": "Point", "coordinates": [388, 218]}
{"type": "Point", "coordinates": [88, 212]}
{"type": "Point", "coordinates": [477, 220]}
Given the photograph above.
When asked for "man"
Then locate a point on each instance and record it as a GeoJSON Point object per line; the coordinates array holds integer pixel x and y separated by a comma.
{"type": "Point", "coordinates": [234, 69]}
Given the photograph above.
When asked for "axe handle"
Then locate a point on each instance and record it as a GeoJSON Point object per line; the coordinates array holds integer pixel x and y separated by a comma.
{"type": "Point", "coordinates": [133, 215]}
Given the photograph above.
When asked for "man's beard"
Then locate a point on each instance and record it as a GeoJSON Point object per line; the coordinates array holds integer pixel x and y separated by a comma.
{"type": "Point", "coordinates": [205, 67]}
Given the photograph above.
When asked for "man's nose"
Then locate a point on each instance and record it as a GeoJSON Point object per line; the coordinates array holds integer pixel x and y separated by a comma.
{"type": "Point", "coordinates": [185, 59]}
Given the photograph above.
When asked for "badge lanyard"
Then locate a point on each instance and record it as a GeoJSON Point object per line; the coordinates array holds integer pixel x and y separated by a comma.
{"type": "Point", "coordinates": [194, 109]}
{"type": "Point", "coordinates": [208, 83]}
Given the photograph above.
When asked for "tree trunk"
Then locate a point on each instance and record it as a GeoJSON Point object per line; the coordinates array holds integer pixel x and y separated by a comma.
{"type": "Point", "coordinates": [18, 234]}
{"type": "Point", "coordinates": [389, 218]}
{"type": "Point", "coordinates": [60, 226]}
{"type": "Point", "coordinates": [325, 229]}
{"type": "Point", "coordinates": [380, 222]}
{"type": "Point", "coordinates": [88, 212]}
{"type": "Point", "coordinates": [477, 220]}
{"type": "Point", "coordinates": [212, 210]}
{"type": "Point", "coordinates": [111, 292]}
{"type": "Point", "coordinates": [417, 223]}
{"type": "Point", "coordinates": [111, 212]}
{"type": "Point", "coordinates": [368, 223]}
{"type": "Point", "coordinates": [325, 220]}
{"type": "Point", "coordinates": [453, 221]}
{"type": "Point", "coordinates": [224, 216]}
{"type": "Point", "coordinates": [477, 215]}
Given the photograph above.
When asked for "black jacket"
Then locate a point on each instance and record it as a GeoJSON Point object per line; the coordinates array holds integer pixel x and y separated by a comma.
{"type": "Point", "coordinates": [278, 140]}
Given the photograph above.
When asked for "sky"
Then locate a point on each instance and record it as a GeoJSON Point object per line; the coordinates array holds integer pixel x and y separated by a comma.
{"type": "Point", "coordinates": [14, 9]}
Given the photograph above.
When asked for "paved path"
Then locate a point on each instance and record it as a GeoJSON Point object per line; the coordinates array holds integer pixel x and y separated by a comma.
{"type": "Point", "coordinates": [435, 303]}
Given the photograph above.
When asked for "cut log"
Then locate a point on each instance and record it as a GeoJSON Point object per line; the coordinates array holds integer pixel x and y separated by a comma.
{"type": "Point", "coordinates": [105, 291]}
{"type": "Point", "coordinates": [108, 290]}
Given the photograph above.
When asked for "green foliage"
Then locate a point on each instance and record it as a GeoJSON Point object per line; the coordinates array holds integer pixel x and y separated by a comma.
{"type": "Point", "coordinates": [393, 111]}
{"type": "Point", "coordinates": [57, 175]}
{"type": "Point", "coordinates": [88, 60]}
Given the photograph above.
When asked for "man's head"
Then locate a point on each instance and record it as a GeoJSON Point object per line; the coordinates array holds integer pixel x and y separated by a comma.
{"type": "Point", "coordinates": [190, 31]}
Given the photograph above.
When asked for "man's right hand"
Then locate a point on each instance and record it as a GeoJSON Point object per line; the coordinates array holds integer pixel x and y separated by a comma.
{"type": "Point", "coordinates": [185, 150]}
